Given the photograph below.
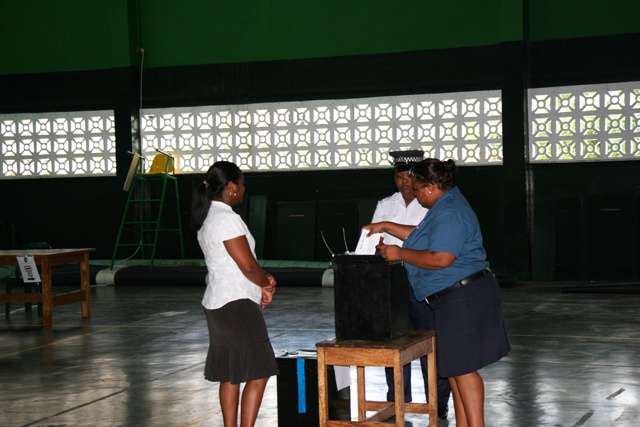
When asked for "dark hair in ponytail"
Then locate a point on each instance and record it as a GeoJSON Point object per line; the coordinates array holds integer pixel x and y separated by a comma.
{"type": "Point", "coordinates": [434, 171]}
{"type": "Point", "coordinates": [217, 178]}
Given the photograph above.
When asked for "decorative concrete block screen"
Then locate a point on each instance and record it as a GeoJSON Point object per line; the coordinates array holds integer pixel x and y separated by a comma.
{"type": "Point", "coordinates": [57, 144]}
{"type": "Point", "coordinates": [328, 134]}
{"type": "Point", "coordinates": [584, 123]}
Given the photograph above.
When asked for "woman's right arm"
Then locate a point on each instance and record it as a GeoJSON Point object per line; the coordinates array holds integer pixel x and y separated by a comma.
{"type": "Point", "coordinates": [240, 251]}
{"type": "Point", "coordinates": [401, 231]}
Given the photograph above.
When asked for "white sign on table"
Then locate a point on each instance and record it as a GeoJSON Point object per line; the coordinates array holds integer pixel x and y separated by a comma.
{"type": "Point", "coordinates": [30, 273]}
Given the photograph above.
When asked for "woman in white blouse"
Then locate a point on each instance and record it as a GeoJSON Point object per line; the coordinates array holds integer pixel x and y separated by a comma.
{"type": "Point", "coordinates": [237, 289]}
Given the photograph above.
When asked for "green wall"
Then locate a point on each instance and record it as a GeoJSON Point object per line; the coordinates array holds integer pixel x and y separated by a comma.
{"type": "Point", "coordinates": [202, 31]}
{"type": "Point", "coordinates": [51, 36]}
{"type": "Point", "coordinates": [64, 35]}
{"type": "Point", "coordinates": [558, 19]}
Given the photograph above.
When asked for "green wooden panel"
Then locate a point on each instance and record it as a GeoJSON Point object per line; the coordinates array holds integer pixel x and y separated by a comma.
{"type": "Point", "coordinates": [569, 241]}
{"type": "Point", "coordinates": [544, 245]}
{"type": "Point", "coordinates": [295, 232]}
{"type": "Point", "coordinates": [258, 210]}
{"type": "Point", "coordinates": [612, 237]}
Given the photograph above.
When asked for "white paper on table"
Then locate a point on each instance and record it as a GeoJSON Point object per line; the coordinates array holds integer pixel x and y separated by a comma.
{"type": "Point", "coordinates": [30, 273]}
{"type": "Point", "coordinates": [343, 376]}
{"type": "Point", "coordinates": [367, 245]}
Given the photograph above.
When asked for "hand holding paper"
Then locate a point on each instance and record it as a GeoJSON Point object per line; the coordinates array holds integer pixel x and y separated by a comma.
{"type": "Point", "coordinates": [367, 244]}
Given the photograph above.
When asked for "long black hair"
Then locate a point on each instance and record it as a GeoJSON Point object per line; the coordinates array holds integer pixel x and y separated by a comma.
{"type": "Point", "coordinates": [434, 171]}
{"type": "Point", "coordinates": [217, 178]}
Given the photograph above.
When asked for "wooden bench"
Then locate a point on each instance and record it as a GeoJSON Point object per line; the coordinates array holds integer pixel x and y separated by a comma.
{"type": "Point", "coordinates": [392, 353]}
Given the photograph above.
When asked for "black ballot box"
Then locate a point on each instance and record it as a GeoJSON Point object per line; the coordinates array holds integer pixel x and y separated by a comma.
{"type": "Point", "coordinates": [298, 393]}
{"type": "Point", "coordinates": [371, 298]}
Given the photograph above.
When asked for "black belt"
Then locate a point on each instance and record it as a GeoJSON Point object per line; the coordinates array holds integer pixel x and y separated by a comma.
{"type": "Point", "coordinates": [459, 284]}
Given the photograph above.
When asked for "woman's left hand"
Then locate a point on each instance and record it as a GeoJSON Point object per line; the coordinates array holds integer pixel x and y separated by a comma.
{"type": "Point", "coordinates": [267, 295]}
{"type": "Point", "coordinates": [389, 252]}
{"type": "Point", "coordinates": [268, 291]}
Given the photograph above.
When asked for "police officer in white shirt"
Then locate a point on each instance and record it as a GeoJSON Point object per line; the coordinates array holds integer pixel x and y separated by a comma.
{"type": "Point", "coordinates": [403, 208]}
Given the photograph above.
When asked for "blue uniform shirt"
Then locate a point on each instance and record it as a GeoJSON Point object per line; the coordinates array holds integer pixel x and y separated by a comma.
{"type": "Point", "coordinates": [450, 226]}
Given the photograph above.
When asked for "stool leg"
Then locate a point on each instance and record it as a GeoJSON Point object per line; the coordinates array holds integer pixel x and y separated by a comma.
{"type": "Point", "coordinates": [362, 413]}
{"type": "Point", "coordinates": [323, 398]}
{"type": "Point", "coordinates": [398, 381]}
{"type": "Point", "coordinates": [433, 385]}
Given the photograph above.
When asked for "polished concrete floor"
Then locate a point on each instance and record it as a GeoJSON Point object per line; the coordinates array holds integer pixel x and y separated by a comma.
{"type": "Point", "coordinates": [138, 360]}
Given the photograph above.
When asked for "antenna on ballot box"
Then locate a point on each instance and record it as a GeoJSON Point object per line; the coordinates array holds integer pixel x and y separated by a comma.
{"type": "Point", "coordinates": [344, 239]}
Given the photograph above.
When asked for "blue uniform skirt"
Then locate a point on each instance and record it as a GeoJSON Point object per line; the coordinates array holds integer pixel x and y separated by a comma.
{"type": "Point", "coordinates": [470, 329]}
{"type": "Point", "coordinates": [239, 346]}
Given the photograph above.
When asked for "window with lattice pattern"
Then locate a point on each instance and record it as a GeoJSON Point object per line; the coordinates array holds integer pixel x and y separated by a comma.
{"type": "Point", "coordinates": [57, 144]}
{"type": "Point", "coordinates": [328, 134]}
{"type": "Point", "coordinates": [584, 123]}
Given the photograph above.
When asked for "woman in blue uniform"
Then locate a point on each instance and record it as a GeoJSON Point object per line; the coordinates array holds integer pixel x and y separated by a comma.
{"type": "Point", "coordinates": [447, 267]}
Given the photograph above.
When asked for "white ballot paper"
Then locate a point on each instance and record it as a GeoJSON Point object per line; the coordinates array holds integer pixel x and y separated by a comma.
{"type": "Point", "coordinates": [28, 269]}
{"type": "Point", "coordinates": [367, 245]}
{"type": "Point", "coordinates": [343, 376]}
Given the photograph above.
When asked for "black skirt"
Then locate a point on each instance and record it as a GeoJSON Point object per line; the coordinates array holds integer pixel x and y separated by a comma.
{"type": "Point", "coordinates": [239, 346]}
{"type": "Point", "coordinates": [470, 329]}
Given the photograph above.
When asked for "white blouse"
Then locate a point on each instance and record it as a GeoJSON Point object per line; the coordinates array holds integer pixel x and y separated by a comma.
{"type": "Point", "coordinates": [225, 281]}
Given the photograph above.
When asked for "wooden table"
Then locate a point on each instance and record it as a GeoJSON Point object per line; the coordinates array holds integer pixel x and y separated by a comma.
{"type": "Point", "coordinates": [47, 258]}
{"type": "Point", "coordinates": [393, 353]}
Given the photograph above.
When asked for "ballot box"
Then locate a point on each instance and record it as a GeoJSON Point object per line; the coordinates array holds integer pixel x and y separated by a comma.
{"type": "Point", "coordinates": [298, 393]}
{"type": "Point", "coordinates": [371, 298]}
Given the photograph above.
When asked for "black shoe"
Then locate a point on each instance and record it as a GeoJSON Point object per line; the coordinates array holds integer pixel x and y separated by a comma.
{"type": "Point", "coordinates": [443, 411]}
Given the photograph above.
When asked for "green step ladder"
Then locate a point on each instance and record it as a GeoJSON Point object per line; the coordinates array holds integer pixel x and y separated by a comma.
{"type": "Point", "coordinates": [142, 219]}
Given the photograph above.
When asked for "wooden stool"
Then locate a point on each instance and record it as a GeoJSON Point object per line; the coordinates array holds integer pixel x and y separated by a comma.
{"type": "Point", "coordinates": [393, 353]}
